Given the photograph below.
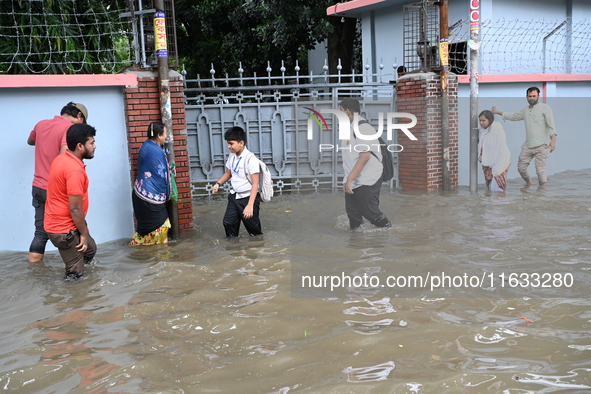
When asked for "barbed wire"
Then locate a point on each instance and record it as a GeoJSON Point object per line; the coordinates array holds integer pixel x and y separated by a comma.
{"type": "Point", "coordinates": [84, 36]}
{"type": "Point", "coordinates": [69, 37]}
{"type": "Point", "coordinates": [527, 47]}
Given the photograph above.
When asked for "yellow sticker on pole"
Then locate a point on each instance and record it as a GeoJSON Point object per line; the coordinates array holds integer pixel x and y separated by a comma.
{"type": "Point", "coordinates": [160, 34]}
{"type": "Point", "coordinates": [444, 53]}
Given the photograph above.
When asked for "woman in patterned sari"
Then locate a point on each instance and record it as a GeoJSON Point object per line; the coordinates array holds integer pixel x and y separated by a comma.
{"type": "Point", "coordinates": [151, 189]}
{"type": "Point", "coordinates": [493, 152]}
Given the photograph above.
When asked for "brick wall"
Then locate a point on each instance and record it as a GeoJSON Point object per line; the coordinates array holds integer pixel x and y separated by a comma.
{"type": "Point", "coordinates": [142, 106]}
{"type": "Point", "coordinates": [420, 163]}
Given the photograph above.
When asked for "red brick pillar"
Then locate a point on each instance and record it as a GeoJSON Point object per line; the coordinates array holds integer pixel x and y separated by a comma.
{"type": "Point", "coordinates": [420, 163]}
{"type": "Point", "coordinates": [142, 106]}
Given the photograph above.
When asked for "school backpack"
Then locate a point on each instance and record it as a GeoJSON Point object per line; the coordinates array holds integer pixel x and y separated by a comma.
{"type": "Point", "coordinates": [387, 160]}
{"type": "Point", "coordinates": [265, 180]}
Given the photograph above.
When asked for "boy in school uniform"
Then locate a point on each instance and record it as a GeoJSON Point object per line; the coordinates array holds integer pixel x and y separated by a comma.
{"type": "Point", "coordinates": [244, 199]}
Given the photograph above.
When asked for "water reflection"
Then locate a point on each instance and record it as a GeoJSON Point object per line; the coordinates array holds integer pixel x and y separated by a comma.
{"type": "Point", "coordinates": [369, 308]}
{"type": "Point", "coordinates": [374, 373]}
{"type": "Point", "coordinates": [369, 327]}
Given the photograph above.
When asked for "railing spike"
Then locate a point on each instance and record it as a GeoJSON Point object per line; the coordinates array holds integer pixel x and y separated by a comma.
{"type": "Point", "coordinates": [240, 71]}
{"type": "Point", "coordinates": [212, 72]}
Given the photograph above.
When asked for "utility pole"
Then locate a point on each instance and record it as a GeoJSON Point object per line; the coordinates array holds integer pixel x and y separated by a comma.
{"type": "Point", "coordinates": [474, 44]}
{"type": "Point", "coordinates": [165, 103]}
{"type": "Point", "coordinates": [444, 57]}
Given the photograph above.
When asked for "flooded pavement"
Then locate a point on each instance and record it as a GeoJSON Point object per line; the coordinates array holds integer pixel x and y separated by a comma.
{"type": "Point", "coordinates": [208, 315]}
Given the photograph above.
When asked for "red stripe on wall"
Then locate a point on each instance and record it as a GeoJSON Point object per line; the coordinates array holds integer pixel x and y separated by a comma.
{"type": "Point", "coordinates": [486, 78]}
{"type": "Point", "coordinates": [33, 81]}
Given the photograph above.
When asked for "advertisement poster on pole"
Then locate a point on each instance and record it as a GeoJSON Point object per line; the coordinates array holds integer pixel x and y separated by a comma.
{"type": "Point", "coordinates": [160, 34]}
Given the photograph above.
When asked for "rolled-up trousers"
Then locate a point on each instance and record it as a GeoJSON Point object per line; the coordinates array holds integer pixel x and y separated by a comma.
{"type": "Point", "coordinates": [40, 238]}
{"type": "Point", "coordinates": [539, 154]}
{"type": "Point", "coordinates": [72, 257]}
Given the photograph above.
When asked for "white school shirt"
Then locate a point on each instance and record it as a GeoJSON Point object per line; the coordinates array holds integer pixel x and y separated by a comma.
{"type": "Point", "coordinates": [237, 165]}
{"type": "Point", "coordinates": [373, 168]}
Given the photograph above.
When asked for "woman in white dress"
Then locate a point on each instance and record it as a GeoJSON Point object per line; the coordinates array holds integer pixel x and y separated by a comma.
{"type": "Point", "coordinates": [493, 152]}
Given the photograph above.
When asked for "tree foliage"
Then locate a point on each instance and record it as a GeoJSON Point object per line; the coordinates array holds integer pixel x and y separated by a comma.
{"type": "Point", "coordinates": [89, 36]}
{"type": "Point", "coordinates": [60, 36]}
{"type": "Point", "coordinates": [253, 32]}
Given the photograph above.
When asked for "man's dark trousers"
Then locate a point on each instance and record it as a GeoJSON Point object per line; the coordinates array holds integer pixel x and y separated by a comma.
{"type": "Point", "coordinates": [40, 238]}
{"type": "Point", "coordinates": [364, 203]}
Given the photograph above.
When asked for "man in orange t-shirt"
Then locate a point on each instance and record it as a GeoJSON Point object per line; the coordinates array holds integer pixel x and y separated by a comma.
{"type": "Point", "coordinates": [49, 139]}
{"type": "Point", "coordinates": [67, 201]}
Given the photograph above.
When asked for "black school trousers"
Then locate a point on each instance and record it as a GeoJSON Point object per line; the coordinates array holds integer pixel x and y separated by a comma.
{"type": "Point", "coordinates": [233, 216]}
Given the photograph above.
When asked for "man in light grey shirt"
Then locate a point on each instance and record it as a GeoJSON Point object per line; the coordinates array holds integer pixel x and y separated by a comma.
{"type": "Point", "coordinates": [540, 134]}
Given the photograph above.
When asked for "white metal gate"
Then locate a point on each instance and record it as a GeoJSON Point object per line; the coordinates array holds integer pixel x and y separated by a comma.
{"type": "Point", "coordinates": [274, 112]}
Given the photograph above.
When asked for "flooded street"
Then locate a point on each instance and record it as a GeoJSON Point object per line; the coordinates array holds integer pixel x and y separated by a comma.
{"type": "Point", "coordinates": [209, 315]}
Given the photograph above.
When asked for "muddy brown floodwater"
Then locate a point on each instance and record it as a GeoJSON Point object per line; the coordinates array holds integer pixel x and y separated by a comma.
{"type": "Point", "coordinates": [208, 315]}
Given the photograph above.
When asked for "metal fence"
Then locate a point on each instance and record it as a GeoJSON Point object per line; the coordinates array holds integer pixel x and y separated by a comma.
{"type": "Point", "coordinates": [421, 36]}
{"type": "Point", "coordinates": [274, 111]}
{"type": "Point", "coordinates": [524, 46]}
{"type": "Point", "coordinates": [82, 36]}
